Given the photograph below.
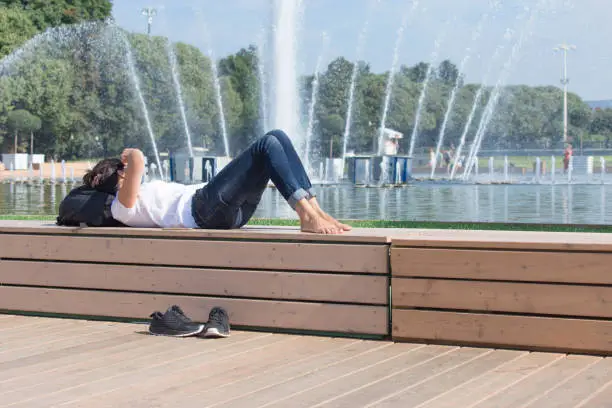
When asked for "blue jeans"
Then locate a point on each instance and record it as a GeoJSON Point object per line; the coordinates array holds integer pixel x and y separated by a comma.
{"type": "Point", "coordinates": [231, 197]}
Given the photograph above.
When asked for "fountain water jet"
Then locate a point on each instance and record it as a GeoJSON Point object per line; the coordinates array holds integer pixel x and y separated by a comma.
{"type": "Point", "coordinates": [349, 110]}
{"type": "Point", "coordinates": [313, 100]}
{"type": "Point", "coordinates": [263, 83]}
{"type": "Point", "coordinates": [219, 99]}
{"type": "Point", "coordinates": [286, 100]}
{"type": "Point", "coordinates": [430, 69]}
{"type": "Point", "coordinates": [451, 103]}
{"type": "Point", "coordinates": [392, 71]}
{"type": "Point", "coordinates": [497, 90]}
{"type": "Point", "coordinates": [179, 93]}
{"type": "Point", "coordinates": [143, 105]}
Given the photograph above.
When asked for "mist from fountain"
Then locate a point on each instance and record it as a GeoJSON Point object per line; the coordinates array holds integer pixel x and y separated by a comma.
{"type": "Point", "coordinates": [391, 77]}
{"type": "Point", "coordinates": [179, 93]}
{"type": "Point", "coordinates": [145, 111]}
{"type": "Point", "coordinates": [430, 70]}
{"type": "Point", "coordinates": [497, 90]}
{"type": "Point", "coordinates": [451, 102]}
{"type": "Point", "coordinates": [349, 110]}
{"type": "Point", "coordinates": [286, 110]}
{"type": "Point", "coordinates": [313, 100]}
{"type": "Point", "coordinates": [56, 36]}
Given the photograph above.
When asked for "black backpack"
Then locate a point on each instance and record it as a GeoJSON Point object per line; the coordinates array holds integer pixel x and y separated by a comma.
{"type": "Point", "coordinates": [87, 206]}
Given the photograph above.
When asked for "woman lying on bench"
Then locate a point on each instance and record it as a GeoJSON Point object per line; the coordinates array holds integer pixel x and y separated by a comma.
{"type": "Point", "coordinates": [227, 201]}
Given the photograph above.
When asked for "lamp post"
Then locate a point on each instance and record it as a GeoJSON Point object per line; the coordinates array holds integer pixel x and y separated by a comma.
{"type": "Point", "coordinates": [564, 81]}
{"type": "Point", "coordinates": [149, 13]}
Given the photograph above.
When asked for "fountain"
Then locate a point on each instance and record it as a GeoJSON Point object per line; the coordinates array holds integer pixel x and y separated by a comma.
{"type": "Point", "coordinates": [63, 170]}
{"type": "Point", "coordinates": [553, 171]}
{"type": "Point", "coordinates": [505, 168]}
{"type": "Point", "coordinates": [286, 101]}
{"type": "Point", "coordinates": [430, 70]}
{"type": "Point", "coordinates": [491, 167]}
{"type": "Point", "coordinates": [219, 99]}
{"type": "Point", "coordinates": [602, 163]}
{"type": "Point", "coordinates": [313, 101]}
{"type": "Point", "coordinates": [392, 71]}
{"type": "Point", "coordinates": [538, 170]}
{"type": "Point", "coordinates": [570, 169]}
{"type": "Point", "coordinates": [143, 105]}
{"type": "Point", "coordinates": [263, 83]}
{"type": "Point", "coordinates": [349, 110]}
{"type": "Point", "coordinates": [497, 90]}
{"type": "Point", "coordinates": [179, 93]}
{"type": "Point", "coordinates": [451, 102]}
{"type": "Point", "coordinates": [72, 180]}
{"type": "Point", "coordinates": [52, 178]}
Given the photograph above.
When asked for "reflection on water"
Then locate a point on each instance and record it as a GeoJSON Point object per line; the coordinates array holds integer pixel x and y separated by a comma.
{"type": "Point", "coordinates": [569, 204]}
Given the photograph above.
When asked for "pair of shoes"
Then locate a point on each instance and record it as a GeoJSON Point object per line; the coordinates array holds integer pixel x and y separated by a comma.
{"type": "Point", "coordinates": [175, 323]}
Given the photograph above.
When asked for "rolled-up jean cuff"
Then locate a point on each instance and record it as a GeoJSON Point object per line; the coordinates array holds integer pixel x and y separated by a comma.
{"type": "Point", "coordinates": [297, 196]}
{"type": "Point", "coordinates": [311, 193]}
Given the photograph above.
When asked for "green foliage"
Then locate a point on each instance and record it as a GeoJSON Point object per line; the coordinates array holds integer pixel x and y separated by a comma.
{"type": "Point", "coordinates": [16, 28]}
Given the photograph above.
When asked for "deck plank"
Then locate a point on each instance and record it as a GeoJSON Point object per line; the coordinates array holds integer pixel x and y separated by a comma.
{"type": "Point", "coordinates": [489, 383]}
{"type": "Point", "coordinates": [577, 389]}
{"type": "Point", "coordinates": [79, 379]}
{"type": "Point", "coordinates": [523, 392]}
{"type": "Point", "coordinates": [601, 398]}
{"type": "Point", "coordinates": [430, 387]}
{"type": "Point", "coordinates": [161, 386]}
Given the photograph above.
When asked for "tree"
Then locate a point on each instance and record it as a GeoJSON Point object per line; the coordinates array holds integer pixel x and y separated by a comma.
{"type": "Point", "coordinates": [15, 29]}
{"type": "Point", "coordinates": [21, 120]}
{"type": "Point", "coordinates": [448, 72]}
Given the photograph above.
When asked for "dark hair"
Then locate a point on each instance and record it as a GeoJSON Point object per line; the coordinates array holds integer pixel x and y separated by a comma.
{"type": "Point", "coordinates": [104, 176]}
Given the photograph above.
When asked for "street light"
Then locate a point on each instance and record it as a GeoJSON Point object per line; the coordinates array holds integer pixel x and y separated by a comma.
{"type": "Point", "coordinates": [149, 13]}
{"type": "Point", "coordinates": [564, 81]}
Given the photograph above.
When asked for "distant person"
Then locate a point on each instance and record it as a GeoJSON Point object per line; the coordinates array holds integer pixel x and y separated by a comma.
{"type": "Point", "coordinates": [567, 155]}
{"type": "Point", "coordinates": [447, 160]}
{"type": "Point", "coordinates": [228, 201]}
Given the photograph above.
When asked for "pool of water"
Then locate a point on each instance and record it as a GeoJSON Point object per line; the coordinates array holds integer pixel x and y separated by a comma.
{"type": "Point", "coordinates": [425, 201]}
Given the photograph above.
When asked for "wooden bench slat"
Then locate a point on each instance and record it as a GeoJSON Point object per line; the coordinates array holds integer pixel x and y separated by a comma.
{"type": "Point", "coordinates": [518, 240]}
{"type": "Point", "coordinates": [255, 313]}
{"type": "Point", "coordinates": [176, 252]}
{"type": "Point", "coordinates": [591, 268]}
{"type": "Point", "coordinates": [594, 336]}
{"type": "Point", "coordinates": [285, 233]}
{"type": "Point", "coordinates": [346, 288]}
{"type": "Point", "coordinates": [531, 298]}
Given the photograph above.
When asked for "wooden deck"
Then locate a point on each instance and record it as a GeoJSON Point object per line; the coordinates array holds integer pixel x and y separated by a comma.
{"type": "Point", "coordinates": [47, 362]}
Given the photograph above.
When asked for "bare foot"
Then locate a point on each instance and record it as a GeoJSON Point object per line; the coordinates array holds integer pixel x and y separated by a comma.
{"type": "Point", "coordinates": [311, 221]}
{"type": "Point", "coordinates": [315, 204]}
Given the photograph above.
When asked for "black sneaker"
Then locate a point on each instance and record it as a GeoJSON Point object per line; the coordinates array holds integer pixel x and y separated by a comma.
{"type": "Point", "coordinates": [173, 323]}
{"type": "Point", "coordinates": [217, 324]}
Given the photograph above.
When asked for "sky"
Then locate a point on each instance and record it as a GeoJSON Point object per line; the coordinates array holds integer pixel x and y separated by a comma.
{"type": "Point", "coordinates": [228, 25]}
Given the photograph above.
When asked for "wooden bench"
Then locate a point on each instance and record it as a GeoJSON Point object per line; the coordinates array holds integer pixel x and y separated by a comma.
{"type": "Point", "coordinates": [268, 278]}
{"type": "Point", "coordinates": [531, 290]}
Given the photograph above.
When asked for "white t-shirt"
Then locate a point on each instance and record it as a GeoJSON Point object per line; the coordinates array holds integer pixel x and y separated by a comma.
{"type": "Point", "coordinates": [160, 204]}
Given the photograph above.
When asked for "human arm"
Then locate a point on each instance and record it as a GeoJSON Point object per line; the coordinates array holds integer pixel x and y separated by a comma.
{"type": "Point", "coordinates": [129, 189]}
